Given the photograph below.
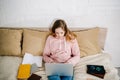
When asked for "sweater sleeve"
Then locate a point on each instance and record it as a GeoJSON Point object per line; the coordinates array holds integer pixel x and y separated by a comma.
{"type": "Point", "coordinates": [75, 53]}
{"type": "Point", "coordinates": [46, 52]}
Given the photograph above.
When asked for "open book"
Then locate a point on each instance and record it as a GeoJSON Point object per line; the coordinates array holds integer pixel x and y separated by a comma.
{"type": "Point", "coordinates": [31, 59]}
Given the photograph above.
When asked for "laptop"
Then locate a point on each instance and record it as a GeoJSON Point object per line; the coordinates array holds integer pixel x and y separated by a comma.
{"type": "Point", "coordinates": [59, 69]}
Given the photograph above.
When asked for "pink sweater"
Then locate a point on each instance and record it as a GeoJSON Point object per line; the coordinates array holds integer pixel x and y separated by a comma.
{"type": "Point", "coordinates": [61, 51]}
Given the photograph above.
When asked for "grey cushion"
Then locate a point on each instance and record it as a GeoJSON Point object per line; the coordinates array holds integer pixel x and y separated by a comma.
{"type": "Point", "coordinates": [9, 67]}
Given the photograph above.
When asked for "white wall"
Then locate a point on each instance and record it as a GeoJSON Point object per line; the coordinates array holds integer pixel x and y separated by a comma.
{"type": "Point", "coordinates": [77, 13]}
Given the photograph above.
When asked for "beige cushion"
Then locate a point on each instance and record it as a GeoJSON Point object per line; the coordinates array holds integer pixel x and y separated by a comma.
{"type": "Point", "coordinates": [88, 41]}
{"type": "Point", "coordinates": [34, 41]}
{"type": "Point", "coordinates": [10, 42]}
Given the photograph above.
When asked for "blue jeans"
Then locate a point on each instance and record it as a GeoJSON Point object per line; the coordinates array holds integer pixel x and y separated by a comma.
{"type": "Point", "coordinates": [56, 77]}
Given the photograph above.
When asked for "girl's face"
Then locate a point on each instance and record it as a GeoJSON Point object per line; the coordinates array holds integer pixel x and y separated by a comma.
{"type": "Point", "coordinates": [59, 32]}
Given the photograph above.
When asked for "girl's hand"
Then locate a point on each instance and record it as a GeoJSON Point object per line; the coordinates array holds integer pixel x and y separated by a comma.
{"type": "Point", "coordinates": [59, 52]}
{"type": "Point", "coordinates": [62, 56]}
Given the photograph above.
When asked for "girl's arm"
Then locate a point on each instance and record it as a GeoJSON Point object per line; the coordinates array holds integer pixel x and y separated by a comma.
{"type": "Point", "coordinates": [46, 52]}
{"type": "Point", "coordinates": [75, 53]}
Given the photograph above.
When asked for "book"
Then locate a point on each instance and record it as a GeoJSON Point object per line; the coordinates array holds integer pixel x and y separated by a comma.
{"type": "Point", "coordinates": [31, 59]}
{"type": "Point", "coordinates": [34, 77]}
{"type": "Point", "coordinates": [24, 71]}
{"type": "Point", "coordinates": [34, 68]}
{"type": "Point", "coordinates": [96, 70]}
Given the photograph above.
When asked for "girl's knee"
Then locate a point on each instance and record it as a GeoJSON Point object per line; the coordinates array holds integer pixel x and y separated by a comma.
{"type": "Point", "coordinates": [66, 77]}
{"type": "Point", "coordinates": [54, 77]}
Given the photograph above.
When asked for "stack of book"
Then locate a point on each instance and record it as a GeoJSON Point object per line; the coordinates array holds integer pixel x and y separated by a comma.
{"type": "Point", "coordinates": [29, 66]}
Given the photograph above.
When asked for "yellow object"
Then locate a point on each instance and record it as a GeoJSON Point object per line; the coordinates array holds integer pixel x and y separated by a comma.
{"type": "Point", "coordinates": [24, 71]}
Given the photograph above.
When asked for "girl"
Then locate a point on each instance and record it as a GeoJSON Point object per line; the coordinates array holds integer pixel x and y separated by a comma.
{"type": "Point", "coordinates": [61, 47]}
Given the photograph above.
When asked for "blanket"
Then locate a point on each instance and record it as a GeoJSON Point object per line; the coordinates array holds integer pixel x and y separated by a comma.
{"type": "Point", "coordinates": [80, 69]}
{"type": "Point", "coordinates": [99, 59]}
{"type": "Point", "coordinates": [9, 67]}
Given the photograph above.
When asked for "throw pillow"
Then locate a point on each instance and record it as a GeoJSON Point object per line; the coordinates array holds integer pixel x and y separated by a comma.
{"type": "Point", "coordinates": [10, 42]}
{"type": "Point", "coordinates": [88, 41]}
{"type": "Point", "coordinates": [34, 41]}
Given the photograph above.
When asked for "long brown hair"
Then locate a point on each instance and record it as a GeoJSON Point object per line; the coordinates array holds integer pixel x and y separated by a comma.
{"type": "Point", "coordinates": [61, 23]}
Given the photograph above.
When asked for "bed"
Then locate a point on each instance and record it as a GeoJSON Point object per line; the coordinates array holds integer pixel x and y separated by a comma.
{"type": "Point", "coordinates": [15, 42]}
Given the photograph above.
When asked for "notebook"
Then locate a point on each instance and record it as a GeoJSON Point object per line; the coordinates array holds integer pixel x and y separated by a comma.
{"type": "Point", "coordinates": [59, 69]}
{"type": "Point", "coordinates": [34, 77]}
{"type": "Point", "coordinates": [96, 70]}
{"type": "Point", "coordinates": [24, 71]}
{"type": "Point", "coordinates": [34, 68]}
